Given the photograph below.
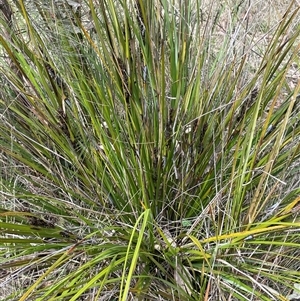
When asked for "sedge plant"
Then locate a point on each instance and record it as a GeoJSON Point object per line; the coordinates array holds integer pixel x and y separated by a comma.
{"type": "Point", "coordinates": [146, 156]}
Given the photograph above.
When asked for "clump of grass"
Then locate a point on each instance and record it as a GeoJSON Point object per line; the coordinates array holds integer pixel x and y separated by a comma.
{"type": "Point", "coordinates": [142, 160]}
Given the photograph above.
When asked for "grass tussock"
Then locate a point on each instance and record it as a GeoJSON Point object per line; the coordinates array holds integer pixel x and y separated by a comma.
{"type": "Point", "coordinates": [149, 151]}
